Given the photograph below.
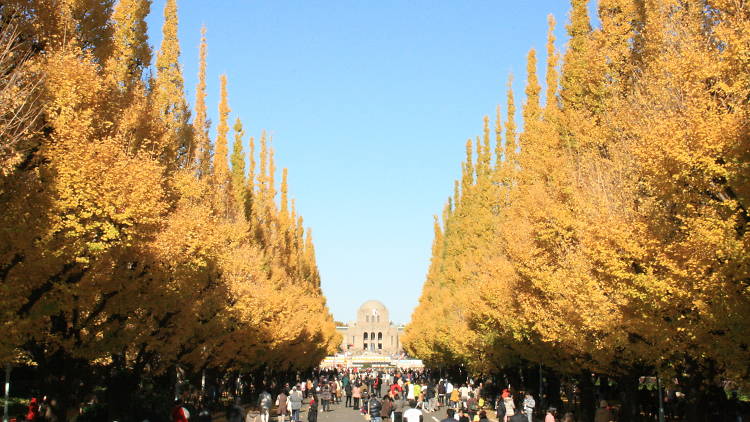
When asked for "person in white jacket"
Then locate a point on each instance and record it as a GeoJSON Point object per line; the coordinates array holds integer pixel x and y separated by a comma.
{"type": "Point", "coordinates": [528, 406]}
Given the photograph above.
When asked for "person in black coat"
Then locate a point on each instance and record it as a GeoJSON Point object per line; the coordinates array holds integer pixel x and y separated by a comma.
{"type": "Point", "coordinates": [312, 411]}
{"type": "Point", "coordinates": [519, 416]}
{"type": "Point", "coordinates": [234, 414]}
{"type": "Point", "coordinates": [500, 409]}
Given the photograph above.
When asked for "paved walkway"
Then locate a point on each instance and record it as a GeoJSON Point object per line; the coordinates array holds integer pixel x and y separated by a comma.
{"type": "Point", "coordinates": [339, 413]}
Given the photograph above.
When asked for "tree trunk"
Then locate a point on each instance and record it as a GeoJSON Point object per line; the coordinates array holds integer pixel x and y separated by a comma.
{"type": "Point", "coordinates": [121, 386]}
{"type": "Point", "coordinates": [66, 384]}
{"type": "Point", "coordinates": [706, 400]}
{"type": "Point", "coordinates": [552, 389]}
{"type": "Point", "coordinates": [628, 387]}
{"type": "Point", "coordinates": [587, 397]}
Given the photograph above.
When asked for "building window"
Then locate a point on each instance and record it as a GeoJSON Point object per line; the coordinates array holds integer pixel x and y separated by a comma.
{"type": "Point", "coordinates": [365, 336]}
{"type": "Point", "coordinates": [364, 346]}
{"type": "Point", "coordinates": [380, 346]}
{"type": "Point", "coordinates": [372, 336]}
{"type": "Point", "coordinates": [380, 336]}
{"type": "Point", "coordinates": [367, 317]}
{"type": "Point", "coordinates": [378, 318]}
{"type": "Point", "coordinates": [372, 347]}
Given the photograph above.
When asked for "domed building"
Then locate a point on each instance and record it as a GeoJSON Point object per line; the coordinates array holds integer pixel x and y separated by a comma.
{"type": "Point", "coordinates": [372, 332]}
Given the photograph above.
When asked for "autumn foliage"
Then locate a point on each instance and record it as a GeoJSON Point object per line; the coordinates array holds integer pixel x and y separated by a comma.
{"type": "Point", "coordinates": [125, 243]}
{"type": "Point", "coordinates": [611, 235]}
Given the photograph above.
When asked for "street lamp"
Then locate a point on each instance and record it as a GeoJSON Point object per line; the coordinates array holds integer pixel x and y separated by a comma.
{"type": "Point", "coordinates": [661, 400]}
{"type": "Point", "coordinates": [7, 392]}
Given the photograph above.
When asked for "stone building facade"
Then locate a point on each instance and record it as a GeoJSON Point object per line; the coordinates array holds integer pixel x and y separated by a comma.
{"type": "Point", "coordinates": [372, 332]}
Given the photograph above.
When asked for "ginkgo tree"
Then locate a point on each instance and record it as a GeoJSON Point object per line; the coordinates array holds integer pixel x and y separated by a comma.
{"type": "Point", "coordinates": [617, 224]}
{"type": "Point", "coordinates": [129, 248]}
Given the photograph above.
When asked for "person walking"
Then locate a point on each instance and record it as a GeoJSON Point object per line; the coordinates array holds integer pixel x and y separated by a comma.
{"type": "Point", "coordinates": [179, 413]}
{"type": "Point", "coordinates": [325, 397]}
{"type": "Point", "coordinates": [412, 414]}
{"type": "Point", "coordinates": [365, 393]}
{"type": "Point", "coordinates": [234, 414]}
{"type": "Point", "coordinates": [409, 388]}
{"type": "Point", "coordinates": [399, 405]}
{"type": "Point", "coordinates": [418, 395]}
{"type": "Point", "coordinates": [464, 390]}
{"type": "Point", "coordinates": [441, 393]}
{"type": "Point", "coordinates": [264, 405]}
{"type": "Point", "coordinates": [500, 409]}
{"type": "Point", "coordinates": [345, 380]}
{"type": "Point", "coordinates": [448, 392]}
{"type": "Point", "coordinates": [455, 398]}
{"type": "Point", "coordinates": [356, 394]}
{"type": "Point", "coordinates": [376, 386]}
{"type": "Point", "coordinates": [312, 411]}
{"type": "Point", "coordinates": [33, 410]}
{"type": "Point", "coordinates": [336, 391]}
{"type": "Point", "coordinates": [550, 416]}
{"type": "Point", "coordinates": [463, 416]}
{"type": "Point", "coordinates": [431, 397]}
{"type": "Point", "coordinates": [374, 406]}
{"type": "Point", "coordinates": [519, 416]}
{"type": "Point", "coordinates": [528, 406]}
{"type": "Point", "coordinates": [510, 407]}
{"type": "Point", "coordinates": [348, 391]}
{"type": "Point", "coordinates": [281, 405]}
{"type": "Point", "coordinates": [472, 406]}
{"type": "Point", "coordinates": [295, 398]}
{"type": "Point", "coordinates": [602, 413]}
{"type": "Point", "coordinates": [451, 416]}
{"type": "Point", "coordinates": [386, 406]}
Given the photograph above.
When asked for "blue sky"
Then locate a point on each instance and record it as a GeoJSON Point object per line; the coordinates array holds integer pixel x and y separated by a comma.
{"type": "Point", "coordinates": [370, 104]}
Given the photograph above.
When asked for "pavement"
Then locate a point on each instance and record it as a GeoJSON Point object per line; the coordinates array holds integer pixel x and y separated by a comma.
{"type": "Point", "coordinates": [340, 413]}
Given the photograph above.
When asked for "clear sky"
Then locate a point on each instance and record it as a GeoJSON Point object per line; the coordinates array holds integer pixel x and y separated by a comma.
{"type": "Point", "coordinates": [370, 104]}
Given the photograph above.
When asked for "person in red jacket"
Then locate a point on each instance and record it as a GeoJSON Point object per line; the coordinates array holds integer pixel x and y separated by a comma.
{"type": "Point", "coordinates": [33, 413]}
{"type": "Point", "coordinates": [179, 413]}
{"type": "Point", "coordinates": [396, 389]}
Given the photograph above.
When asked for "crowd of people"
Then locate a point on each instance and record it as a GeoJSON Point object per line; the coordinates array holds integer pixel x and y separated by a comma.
{"type": "Point", "coordinates": [395, 396]}
{"type": "Point", "coordinates": [388, 396]}
{"type": "Point", "coordinates": [379, 396]}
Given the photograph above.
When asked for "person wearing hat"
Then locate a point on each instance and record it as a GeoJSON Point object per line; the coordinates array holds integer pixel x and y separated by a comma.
{"type": "Point", "coordinates": [179, 413]}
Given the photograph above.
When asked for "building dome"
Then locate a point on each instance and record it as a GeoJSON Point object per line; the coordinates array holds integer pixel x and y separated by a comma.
{"type": "Point", "coordinates": [372, 304]}
{"type": "Point", "coordinates": [372, 311]}
{"type": "Point", "coordinates": [372, 333]}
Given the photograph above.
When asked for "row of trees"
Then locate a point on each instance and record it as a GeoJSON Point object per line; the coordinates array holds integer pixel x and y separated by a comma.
{"type": "Point", "coordinates": [130, 243]}
{"type": "Point", "coordinates": [609, 236]}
